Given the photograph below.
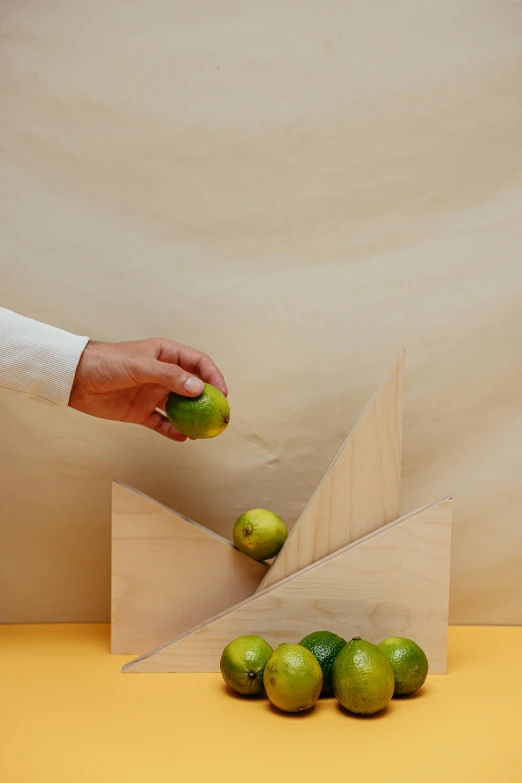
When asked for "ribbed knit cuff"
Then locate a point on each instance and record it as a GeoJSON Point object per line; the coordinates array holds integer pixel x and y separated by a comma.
{"type": "Point", "coordinates": [37, 359]}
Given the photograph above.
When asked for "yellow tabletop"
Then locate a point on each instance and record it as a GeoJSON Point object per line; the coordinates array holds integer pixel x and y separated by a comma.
{"type": "Point", "coordinates": [69, 716]}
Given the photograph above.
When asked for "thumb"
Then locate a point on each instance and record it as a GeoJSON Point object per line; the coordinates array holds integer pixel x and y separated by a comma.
{"type": "Point", "coordinates": [171, 376]}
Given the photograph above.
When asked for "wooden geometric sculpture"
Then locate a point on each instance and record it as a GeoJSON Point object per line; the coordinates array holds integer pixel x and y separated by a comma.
{"type": "Point", "coordinates": [395, 581]}
{"type": "Point", "coordinates": [168, 573]}
{"type": "Point", "coordinates": [360, 491]}
{"type": "Point", "coordinates": [348, 566]}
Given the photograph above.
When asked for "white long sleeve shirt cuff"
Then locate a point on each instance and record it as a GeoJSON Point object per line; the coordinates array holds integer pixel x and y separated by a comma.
{"type": "Point", "coordinates": [37, 359]}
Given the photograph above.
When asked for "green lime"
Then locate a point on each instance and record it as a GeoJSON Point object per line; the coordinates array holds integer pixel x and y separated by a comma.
{"type": "Point", "coordinates": [243, 663]}
{"type": "Point", "coordinates": [205, 416]}
{"type": "Point", "coordinates": [362, 678]}
{"type": "Point", "coordinates": [259, 533]}
{"type": "Point", "coordinates": [325, 646]}
{"type": "Point", "coordinates": [293, 678]}
{"type": "Point", "coordinates": [409, 664]}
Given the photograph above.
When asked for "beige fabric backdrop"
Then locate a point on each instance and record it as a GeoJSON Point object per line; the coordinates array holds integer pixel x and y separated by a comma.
{"type": "Point", "coordinates": [300, 189]}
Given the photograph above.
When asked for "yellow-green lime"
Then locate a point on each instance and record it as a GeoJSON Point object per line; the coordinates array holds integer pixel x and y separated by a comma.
{"type": "Point", "coordinates": [325, 646]}
{"type": "Point", "coordinates": [243, 664]}
{"type": "Point", "coordinates": [205, 416]}
{"type": "Point", "coordinates": [259, 533]}
{"type": "Point", "coordinates": [362, 678]}
{"type": "Point", "coordinates": [293, 678]}
{"type": "Point", "coordinates": [409, 664]}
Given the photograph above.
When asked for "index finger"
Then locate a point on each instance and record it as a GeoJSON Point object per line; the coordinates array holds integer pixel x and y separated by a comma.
{"type": "Point", "coordinates": [193, 361]}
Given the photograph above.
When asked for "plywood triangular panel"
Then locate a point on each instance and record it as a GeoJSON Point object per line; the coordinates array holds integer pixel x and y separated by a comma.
{"type": "Point", "coordinates": [168, 573]}
{"type": "Point", "coordinates": [361, 490]}
{"type": "Point", "coordinates": [393, 582]}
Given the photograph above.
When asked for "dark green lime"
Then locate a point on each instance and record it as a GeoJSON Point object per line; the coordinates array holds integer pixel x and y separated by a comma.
{"type": "Point", "coordinates": [325, 646]}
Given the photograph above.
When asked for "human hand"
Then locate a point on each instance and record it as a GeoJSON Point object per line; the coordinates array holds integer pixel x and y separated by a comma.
{"type": "Point", "coordinates": [128, 381]}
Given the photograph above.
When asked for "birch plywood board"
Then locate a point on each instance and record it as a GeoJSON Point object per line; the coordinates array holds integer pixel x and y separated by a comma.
{"type": "Point", "coordinates": [393, 582]}
{"type": "Point", "coordinates": [168, 573]}
{"type": "Point", "coordinates": [360, 492]}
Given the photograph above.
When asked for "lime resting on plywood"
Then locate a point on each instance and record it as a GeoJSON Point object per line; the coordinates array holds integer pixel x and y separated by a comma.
{"type": "Point", "coordinates": [259, 533]}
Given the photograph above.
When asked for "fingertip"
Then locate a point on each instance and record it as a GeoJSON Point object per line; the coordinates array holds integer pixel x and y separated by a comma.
{"type": "Point", "coordinates": [193, 386]}
{"type": "Point", "coordinates": [162, 426]}
{"type": "Point", "coordinates": [220, 384]}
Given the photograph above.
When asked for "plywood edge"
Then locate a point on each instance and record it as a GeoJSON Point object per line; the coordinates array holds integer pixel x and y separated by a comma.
{"type": "Point", "coordinates": [397, 364]}
{"type": "Point", "coordinates": [197, 525]}
{"type": "Point", "coordinates": [133, 665]}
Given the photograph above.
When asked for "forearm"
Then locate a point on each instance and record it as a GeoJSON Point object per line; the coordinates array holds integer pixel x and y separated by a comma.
{"type": "Point", "coordinates": [37, 359]}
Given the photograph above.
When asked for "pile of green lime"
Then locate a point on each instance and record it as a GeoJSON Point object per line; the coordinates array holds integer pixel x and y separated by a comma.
{"type": "Point", "coordinates": [362, 676]}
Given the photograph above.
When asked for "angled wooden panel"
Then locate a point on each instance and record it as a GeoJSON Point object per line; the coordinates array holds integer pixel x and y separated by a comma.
{"type": "Point", "coordinates": [360, 491]}
{"type": "Point", "coordinates": [168, 573]}
{"type": "Point", "coordinates": [393, 582]}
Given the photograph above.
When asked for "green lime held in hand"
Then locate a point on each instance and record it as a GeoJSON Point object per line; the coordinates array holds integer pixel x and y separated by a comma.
{"type": "Point", "coordinates": [205, 416]}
